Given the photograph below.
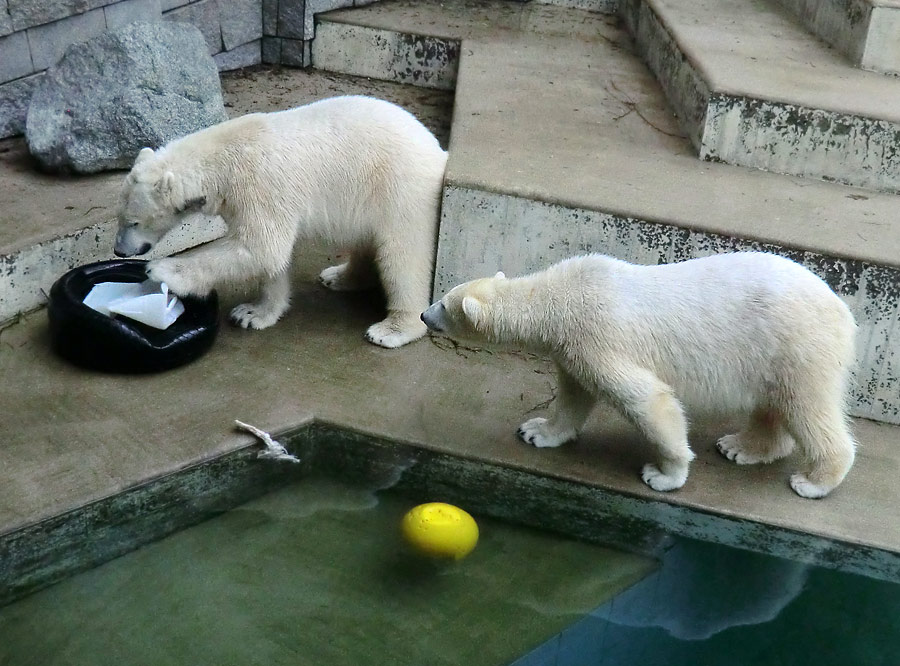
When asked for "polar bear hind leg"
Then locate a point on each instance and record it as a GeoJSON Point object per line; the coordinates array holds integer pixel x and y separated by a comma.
{"type": "Point", "coordinates": [823, 436]}
{"type": "Point", "coordinates": [764, 440]}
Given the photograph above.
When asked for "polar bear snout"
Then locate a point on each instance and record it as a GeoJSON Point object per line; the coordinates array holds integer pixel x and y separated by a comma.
{"type": "Point", "coordinates": [130, 242]}
{"type": "Point", "coordinates": [143, 249]}
{"type": "Point", "coordinates": [434, 317]}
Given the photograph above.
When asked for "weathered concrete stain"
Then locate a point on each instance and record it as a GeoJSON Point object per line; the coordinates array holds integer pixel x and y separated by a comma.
{"type": "Point", "coordinates": [775, 136]}
{"type": "Point", "coordinates": [770, 135]}
{"type": "Point", "coordinates": [483, 232]}
{"type": "Point", "coordinates": [421, 60]}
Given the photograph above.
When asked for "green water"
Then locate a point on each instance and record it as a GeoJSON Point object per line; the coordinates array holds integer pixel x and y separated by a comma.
{"type": "Point", "coordinates": [315, 574]}
{"type": "Point", "coordinates": [708, 605]}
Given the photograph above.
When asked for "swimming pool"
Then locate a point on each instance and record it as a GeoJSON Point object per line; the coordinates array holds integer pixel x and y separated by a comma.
{"type": "Point", "coordinates": [302, 564]}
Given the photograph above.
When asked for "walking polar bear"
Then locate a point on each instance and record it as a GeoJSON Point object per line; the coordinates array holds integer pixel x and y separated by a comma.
{"type": "Point", "coordinates": [748, 334]}
{"type": "Point", "coordinates": [357, 171]}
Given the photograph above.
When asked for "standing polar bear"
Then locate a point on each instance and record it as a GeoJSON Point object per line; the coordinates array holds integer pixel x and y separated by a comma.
{"type": "Point", "coordinates": [357, 171]}
{"type": "Point", "coordinates": [745, 334]}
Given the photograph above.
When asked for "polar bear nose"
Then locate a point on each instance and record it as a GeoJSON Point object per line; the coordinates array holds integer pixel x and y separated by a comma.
{"type": "Point", "coordinates": [143, 249]}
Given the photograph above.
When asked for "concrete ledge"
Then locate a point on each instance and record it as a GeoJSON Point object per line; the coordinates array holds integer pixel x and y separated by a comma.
{"type": "Point", "coordinates": [483, 232]}
{"type": "Point", "coordinates": [27, 274]}
{"type": "Point", "coordinates": [39, 554]}
{"type": "Point", "coordinates": [601, 158]}
{"type": "Point", "coordinates": [768, 96]}
{"type": "Point", "coordinates": [865, 30]}
{"type": "Point", "coordinates": [420, 60]}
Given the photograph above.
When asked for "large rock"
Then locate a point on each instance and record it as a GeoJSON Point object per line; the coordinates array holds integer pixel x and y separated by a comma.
{"type": "Point", "coordinates": [142, 85]}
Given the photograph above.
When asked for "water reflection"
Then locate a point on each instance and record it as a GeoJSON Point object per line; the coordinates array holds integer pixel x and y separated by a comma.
{"type": "Point", "coordinates": [699, 591]}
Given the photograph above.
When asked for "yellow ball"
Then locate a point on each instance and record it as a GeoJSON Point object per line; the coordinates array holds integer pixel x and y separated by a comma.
{"type": "Point", "coordinates": [440, 530]}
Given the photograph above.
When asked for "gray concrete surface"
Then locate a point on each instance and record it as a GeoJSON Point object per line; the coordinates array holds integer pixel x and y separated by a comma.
{"type": "Point", "coordinates": [598, 164]}
{"type": "Point", "coordinates": [772, 96]}
{"type": "Point", "coordinates": [72, 436]}
{"type": "Point", "coordinates": [751, 86]}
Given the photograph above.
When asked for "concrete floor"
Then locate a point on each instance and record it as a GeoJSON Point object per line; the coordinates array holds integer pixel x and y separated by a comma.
{"type": "Point", "coordinates": [72, 436]}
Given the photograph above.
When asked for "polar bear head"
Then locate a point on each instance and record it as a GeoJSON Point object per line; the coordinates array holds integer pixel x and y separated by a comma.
{"type": "Point", "coordinates": [466, 311]}
{"type": "Point", "coordinates": [153, 201]}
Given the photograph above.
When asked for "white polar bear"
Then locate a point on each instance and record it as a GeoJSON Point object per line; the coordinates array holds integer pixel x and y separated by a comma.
{"type": "Point", "coordinates": [749, 334]}
{"type": "Point", "coordinates": [357, 171]}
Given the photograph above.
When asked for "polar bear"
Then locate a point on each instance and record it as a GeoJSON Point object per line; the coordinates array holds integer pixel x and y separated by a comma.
{"type": "Point", "coordinates": [746, 334]}
{"type": "Point", "coordinates": [357, 171]}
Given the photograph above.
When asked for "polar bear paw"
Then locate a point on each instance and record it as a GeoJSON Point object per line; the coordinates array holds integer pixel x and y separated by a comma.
{"type": "Point", "coordinates": [654, 477]}
{"type": "Point", "coordinates": [177, 276]}
{"type": "Point", "coordinates": [806, 488]}
{"type": "Point", "coordinates": [252, 315]}
{"type": "Point", "coordinates": [396, 331]}
{"type": "Point", "coordinates": [735, 449]}
{"type": "Point", "coordinates": [343, 278]}
{"type": "Point", "coordinates": [540, 433]}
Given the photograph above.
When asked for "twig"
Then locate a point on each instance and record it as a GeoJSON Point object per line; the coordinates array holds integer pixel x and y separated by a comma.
{"type": "Point", "coordinates": [273, 450]}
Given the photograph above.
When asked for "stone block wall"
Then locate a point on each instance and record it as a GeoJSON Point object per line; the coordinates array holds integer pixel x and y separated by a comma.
{"type": "Point", "coordinates": [35, 33]}
{"type": "Point", "coordinates": [289, 28]}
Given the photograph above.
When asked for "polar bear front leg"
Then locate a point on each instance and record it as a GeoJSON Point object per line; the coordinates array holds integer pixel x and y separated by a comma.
{"type": "Point", "coordinates": [573, 405]}
{"type": "Point", "coordinates": [356, 274]}
{"type": "Point", "coordinates": [198, 271]}
{"type": "Point", "coordinates": [405, 269]}
{"type": "Point", "coordinates": [651, 405]}
{"type": "Point", "coordinates": [274, 301]}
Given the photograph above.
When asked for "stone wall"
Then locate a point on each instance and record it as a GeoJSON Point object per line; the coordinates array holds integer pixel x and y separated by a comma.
{"type": "Point", "coordinates": [35, 33]}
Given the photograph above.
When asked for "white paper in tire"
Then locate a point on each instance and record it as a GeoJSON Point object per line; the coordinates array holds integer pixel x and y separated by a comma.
{"type": "Point", "coordinates": [148, 302]}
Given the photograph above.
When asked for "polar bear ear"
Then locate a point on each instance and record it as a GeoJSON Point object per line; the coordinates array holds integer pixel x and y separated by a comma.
{"type": "Point", "coordinates": [500, 275]}
{"type": "Point", "coordinates": [144, 154]}
{"type": "Point", "coordinates": [474, 310]}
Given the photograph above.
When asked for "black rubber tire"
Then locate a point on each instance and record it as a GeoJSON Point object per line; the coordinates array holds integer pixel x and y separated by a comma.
{"type": "Point", "coordinates": [92, 340]}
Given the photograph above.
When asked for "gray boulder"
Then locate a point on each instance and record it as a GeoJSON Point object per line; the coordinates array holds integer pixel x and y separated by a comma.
{"type": "Point", "coordinates": [107, 98]}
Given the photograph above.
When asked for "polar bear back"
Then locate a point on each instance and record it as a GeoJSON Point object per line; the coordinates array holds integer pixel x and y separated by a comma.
{"type": "Point", "coordinates": [338, 163]}
{"type": "Point", "coordinates": [724, 330]}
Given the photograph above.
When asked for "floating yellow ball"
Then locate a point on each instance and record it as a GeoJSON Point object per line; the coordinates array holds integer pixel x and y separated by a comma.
{"type": "Point", "coordinates": [440, 530]}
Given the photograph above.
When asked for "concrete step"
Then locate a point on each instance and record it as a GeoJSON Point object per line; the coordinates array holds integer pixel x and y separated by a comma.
{"type": "Point", "coordinates": [562, 143]}
{"type": "Point", "coordinates": [867, 31]}
{"type": "Point", "coordinates": [753, 87]}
